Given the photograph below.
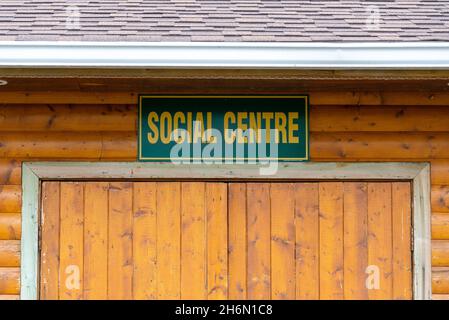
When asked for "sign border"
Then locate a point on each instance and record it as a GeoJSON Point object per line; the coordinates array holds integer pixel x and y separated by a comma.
{"type": "Point", "coordinates": [139, 140]}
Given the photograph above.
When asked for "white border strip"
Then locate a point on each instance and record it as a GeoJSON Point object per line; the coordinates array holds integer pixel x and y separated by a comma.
{"type": "Point", "coordinates": [34, 172]}
{"type": "Point", "coordinates": [370, 55]}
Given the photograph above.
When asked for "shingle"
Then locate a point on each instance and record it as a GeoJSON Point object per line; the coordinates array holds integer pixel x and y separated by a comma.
{"type": "Point", "coordinates": [231, 20]}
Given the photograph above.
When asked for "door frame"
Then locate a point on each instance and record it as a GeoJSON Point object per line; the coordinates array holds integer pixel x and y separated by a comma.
{"type": "Point", "coordinates": [418, 173]}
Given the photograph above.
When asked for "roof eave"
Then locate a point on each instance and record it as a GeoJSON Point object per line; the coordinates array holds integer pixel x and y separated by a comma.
{"type": "Point", "coordinates": [314, 55]}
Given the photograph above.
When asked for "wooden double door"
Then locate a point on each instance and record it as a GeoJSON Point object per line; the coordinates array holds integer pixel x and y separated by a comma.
{"type": "Point", "coordinates": [225, 240]}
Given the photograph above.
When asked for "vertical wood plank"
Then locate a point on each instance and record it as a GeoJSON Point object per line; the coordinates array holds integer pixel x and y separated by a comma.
{"type": "Point", "coordinates": [96, 240]}
{"type": "Point", "coordinates": [193, 246]}
{"type": "Point", "coordinates": [168, 240]}
{"type": "Point", "coordinates": [259, 252]}
{"type": "Point", "coordinates": [307, 241]}
{"type": "Point", "coordinates": [283, 281]}
{"type": "Point", "coordinates": [50, 241]}
{"type": "Point", "coordinates": [120, 255]}
{"type": "Point", "coordinates": [355, 240]}
{"type": "Point", "coordinates": [71, 241]}
{"type": "Point", "coordinates": [217, 240]}
{"type": "Point", "coordinates": [237, 241]}
{"type": "Point", "coordinates": [380, 238]}
{"type": "Point", "coordinates": [331, 240]}
{"type": "Point", "coordinates": [144, 241]}
{"type": "Point", "coordinates": [402, 257]}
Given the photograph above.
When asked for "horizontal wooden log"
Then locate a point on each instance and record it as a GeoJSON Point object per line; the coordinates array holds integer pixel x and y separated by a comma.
{"type": "Point", "coordinates": [379, 118]}
{"type": "Point", "coordinates": [379, 98]}
{"type": "Point", "coordinates": [380, 146]}
{"type": "Point", "coordinates": [10, 226]}
{"type": "Point", "coordinates": [69, 97]}
{"type": "Point", "coordinates": [440, 172]}
{"type": "Point", "coordinates": [9, 280]}
{"type": "Point", "coordinates": [440, 296]}
{"type": "Point", "coordinates": [119, 146]}
{"type": "Point", "coordinates": [416, 98]}
{"type": "Point", "coordinates": [440, 226]}
{"type": "Point", "coordinates": [440, 280]}
{"type": "Point", "coordinates": [439, 167]}
{"type": "Point", "coordinates": [108, 73]}
{"type": "Point", "coordinates": [9, 253]}
{"type": "Point", "coordinates": [47, 117]}
{"type": "Point", "coordinates": [69, 145]}
{"type": "Point", "coordinates": [230, 84]}
{"type": "Point", "coordinates": [229, 81]}
{"type": "Point", "coordinates": [138, 74]}
{"type": "Point", "coordinates": [440, 253]}
{"type": "Point", "coordinates": [10, 171]}
{"type": "Point", "coordinates": [10, 198]}
{"type": "Point", "coordinates": [440, 198]}
{"type": "Point", "coordinates": [9, 297]}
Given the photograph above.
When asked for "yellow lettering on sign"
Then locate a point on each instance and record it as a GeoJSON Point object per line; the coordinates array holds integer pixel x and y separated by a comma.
{"type": "Point", "coordinates": [293, 127]}
{"type": "Point", "coordinates": [255, 122]}
{"type": "Point", "coordinates": [162, 126]}
{"type": "Point", "coordinates": [166, 127]}
{"type": "Point", "coordinates": [228, 135]}
{"type": "Point", "coordinates": [209, 137]}
{"type": "Point", "coordinates": [189, 126]}
{"type": "Point", "coordinates": [198, 128]}
{"type": "Point", "coordinates": [280, 120]}
{"type": "Point", "coordinates": [178, 118]}
{"type": "Point", "coordinates": [153, 135]}
{"type": "Point", "coordinates": [242, 126]}
{"type": "Point", "coordinates": [267, 116]}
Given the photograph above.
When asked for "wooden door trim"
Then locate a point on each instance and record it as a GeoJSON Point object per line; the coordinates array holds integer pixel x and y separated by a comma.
{"type": "Point", "coordinates": [35, 172]}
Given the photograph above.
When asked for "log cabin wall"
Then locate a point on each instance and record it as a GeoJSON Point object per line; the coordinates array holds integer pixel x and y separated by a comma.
{"type": "Point", "coordinates": [345, 126]}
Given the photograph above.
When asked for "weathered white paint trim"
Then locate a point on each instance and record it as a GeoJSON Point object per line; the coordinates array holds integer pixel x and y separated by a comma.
{"type": "Point", "coordinates": [305, 55]}
{"type": "Point", "coordinates": [417, 173]}
{"type": "Point", "coordinates": [29, 273]}
{"type": "Point", "coordinates": [422, 264]}
{"type": "Point", "coordinates": [165, 170]}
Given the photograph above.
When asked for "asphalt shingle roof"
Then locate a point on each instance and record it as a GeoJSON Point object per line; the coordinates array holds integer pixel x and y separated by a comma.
{"type": "Point", "coordinates": [232, 20]}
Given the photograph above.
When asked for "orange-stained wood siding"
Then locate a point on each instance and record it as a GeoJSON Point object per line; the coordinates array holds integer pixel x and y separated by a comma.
{"type": "Point", "coordinates": [181, 243]}
{"type": "Point", "coordinates": [345, 126]}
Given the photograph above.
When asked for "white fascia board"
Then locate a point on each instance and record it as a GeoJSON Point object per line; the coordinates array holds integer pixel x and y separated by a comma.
{"type": "Point", "coordinates": [369, 55]}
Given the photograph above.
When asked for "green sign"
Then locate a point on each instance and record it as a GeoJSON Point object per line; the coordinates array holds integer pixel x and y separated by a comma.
{"type": "Point", "coordinates": [223, 129]}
